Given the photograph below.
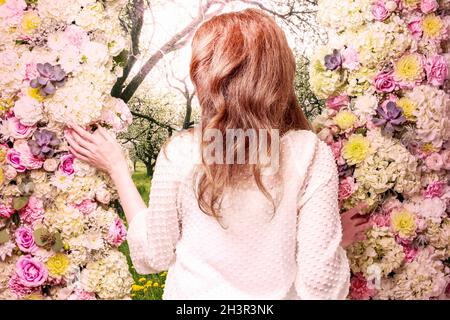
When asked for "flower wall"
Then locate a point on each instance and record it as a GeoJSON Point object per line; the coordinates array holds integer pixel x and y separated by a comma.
{"type": "Point", "coordinates": [58, 231]}
{"type": "Point", "coordinates": [384, 75]}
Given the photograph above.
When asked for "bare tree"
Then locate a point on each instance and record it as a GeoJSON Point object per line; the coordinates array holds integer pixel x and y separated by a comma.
{"type": "Point", "coordinates": [295, 14]}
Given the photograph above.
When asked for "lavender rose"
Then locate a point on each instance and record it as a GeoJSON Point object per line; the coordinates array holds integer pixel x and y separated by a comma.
{"type": "Point", "coordinates": [66, 165]}
{"type": "Point", "coordinates": [379, 11]}
{"type": "Point", "coordinates": [31, 272]}
{"type": "Point", "coordinates": [385, 82]}
{"type": "Point", "coordinates": [25, 240]}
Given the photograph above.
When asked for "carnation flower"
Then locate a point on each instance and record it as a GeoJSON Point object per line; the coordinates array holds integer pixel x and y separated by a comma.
{"type": "Point", "coordinates": [437, 70]}
{"type": "Point", "coordinates": [356, 149]}
{"type": "Point", "coordinates": [33, 211]}
{"type": "Point", "coordinates": [434, 161]}
{"type": "Point", "coordinates": [403, 222]}
{"type": "Point", "coordinates": [428, 6]}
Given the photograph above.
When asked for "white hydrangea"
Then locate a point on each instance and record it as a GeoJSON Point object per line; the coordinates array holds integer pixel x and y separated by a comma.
{"type": "Point", "coordinates": [28, 110]}
{"type": "Point", "coordinates": [344, 14]}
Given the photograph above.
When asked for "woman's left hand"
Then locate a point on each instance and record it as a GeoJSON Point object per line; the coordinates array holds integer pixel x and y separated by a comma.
{"type": "Point", "coordinates": [99, 149]}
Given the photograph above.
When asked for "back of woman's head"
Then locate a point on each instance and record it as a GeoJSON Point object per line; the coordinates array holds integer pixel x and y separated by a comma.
{"type": "Point", "coordinates": [243, 71]}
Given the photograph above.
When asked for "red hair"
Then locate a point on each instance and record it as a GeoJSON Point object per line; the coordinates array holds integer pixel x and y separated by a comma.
{"type": "Point", "coordinates": [243, 71]}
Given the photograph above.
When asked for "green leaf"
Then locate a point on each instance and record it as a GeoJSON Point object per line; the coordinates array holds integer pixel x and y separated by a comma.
{"type": "Point", "coordinates": [4, 236]}
{"type": "Point", "coordinates": [41, 237]}
{"type": "Point", "coordinates": [58, 244]}
{"type": "Point", "coordinates": [16, 219]}
{"type": "Point", "coordinates": [20, 202]}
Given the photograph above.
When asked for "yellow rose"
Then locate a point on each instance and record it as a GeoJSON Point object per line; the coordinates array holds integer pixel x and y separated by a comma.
{"type": "Point", "coordinates": [345, 119]}
{"type": "Point", "coordinates": [432, 26]}
{"type": "Point", "coordinates": [30, 21]}
{"type": "Point", "coordinates": [404, 223]}
{"type": "Point", "coordinates": [356, 149]}
{"type": "Point", "coordinates": [58, 265]}
{"type": "Point", "coordinates": [408, 107]}
{"type": "Point", "coordinates": [409, 68]}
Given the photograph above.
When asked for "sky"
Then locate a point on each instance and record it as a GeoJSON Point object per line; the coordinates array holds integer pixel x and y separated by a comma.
{"type": "Point", "coordinates": [164, 19]}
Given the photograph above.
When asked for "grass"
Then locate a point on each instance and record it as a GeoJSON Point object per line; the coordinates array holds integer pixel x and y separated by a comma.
{"type": "Point", "coordinates": [150, 286]}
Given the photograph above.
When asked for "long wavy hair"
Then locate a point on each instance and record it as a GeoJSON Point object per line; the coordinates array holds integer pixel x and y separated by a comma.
{"type": "Point", "coordinates": [243, 71]}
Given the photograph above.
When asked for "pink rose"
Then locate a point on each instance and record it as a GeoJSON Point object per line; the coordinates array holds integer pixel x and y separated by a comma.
{"type": "Point", "coordinates": [13, 158]}
{"type": "Point", "coordinates": [435, 189]}
{"type": "Point", "coordinates": [12, 12]}
{"type": "Point", "coordinates": [25, 240]}
{"type": "Point", "coordinates": [31, 272]}
{"type": "Point", "coordinates": [384, 82]}
{"type": "Point", "coordinates": [415, 27]}
{"type": "Point", "coordinates": [117, 233]}
{"type": "Point", "coordinates": [66, 164]}
{"type": "Point", "coordinates": [6, 210]}
{"type": "Point", "coordinates": [434, 161]}
{"type": "Point", "coordinates": [446, 159]}
{"type": "Point", "coordinates": [379, 11]}
{"type": "Point", "coordinates": [86, 206]}
{"type": "Point", "coordinates": [437, 70]}
{"type": "Point", "coordinates": [347, 187]}
{"type": "Point", "coordinates": [76, 36]}
{"type": "Point", "coordinates": [337, 102]}
{"type": "Point", "coordinates": [19, 131]}
{"type": "Point", "coordinates": [30, 161]}
{"type": "Point", "coordinates": [33, 211]}
{"type": "Point", "coordinates": [18, 288]}
{"type": "Point", "coordinates": [428, 6]}
{"type": "Point", "coordinates": [351, 59]}
{"type": "Point", "coordinates": [360, 289]}
{"type": "Point", "coordinates": [81, 295]}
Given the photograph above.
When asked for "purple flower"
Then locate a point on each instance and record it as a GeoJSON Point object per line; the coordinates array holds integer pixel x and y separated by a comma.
{"type": "Point", "coordinates": [45, 143]}
{"type": "Point", "coordinates": [333, 61]}
{"type": "Point", "coordinates": [50, 77]}
{"type": "Point", "coordinates": [390, 119]}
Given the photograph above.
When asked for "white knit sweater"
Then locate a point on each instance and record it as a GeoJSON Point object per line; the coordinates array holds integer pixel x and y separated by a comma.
{"type": "Point", "coordinates": [292, 254]}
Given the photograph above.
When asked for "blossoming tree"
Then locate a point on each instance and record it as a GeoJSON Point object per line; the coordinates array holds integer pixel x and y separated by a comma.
{"type": "Point", "coordinates": [387, 121]}
{"type": "Point", "coordinates": [58, 232]}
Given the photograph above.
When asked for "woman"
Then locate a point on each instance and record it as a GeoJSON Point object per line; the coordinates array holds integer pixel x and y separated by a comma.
{"type": "Point", "coordinates": [236, 231]}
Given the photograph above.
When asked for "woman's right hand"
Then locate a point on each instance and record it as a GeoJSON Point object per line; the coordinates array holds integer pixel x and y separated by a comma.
{"type": "Point", "coordinates": [354, 225]}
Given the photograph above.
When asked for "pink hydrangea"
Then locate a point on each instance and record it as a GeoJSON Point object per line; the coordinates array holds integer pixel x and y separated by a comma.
{"type": "Point", "coordinates": [434, 161]}
{"type": "Point", "coordinates": [12, 12]}
{"type": "Point", "coordinates": [86, 206]}
{"type": "Point", "coordinates": [347, 187]}
{"type": "Point", "coordinates": [6, 210]}
{"type": "Point", "coordinates": [360, 289]}
{"type": "Point", "coordinates": [25, 240]}
{"type": "Point", "coordinates": [351, 58]}
{"type": "Point", "coordinates": [117, 233]}
{"type": "Point", "coordinates": [337, 102]}
{"type": "Point", "coordinates": [31, 272]}
{"type": "Point", "coordinates": [33, 211]}
{"type": "Point", "coordinates": [434, 189]}
{"type": "Point", "coordinates": [76, 36]}
{"type": "Point", "coordinates": [437, 70]}
{"type": "Point", "coordinates": [66, 164]}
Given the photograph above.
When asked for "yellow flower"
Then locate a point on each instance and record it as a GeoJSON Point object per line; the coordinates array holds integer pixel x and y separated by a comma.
{"type": "Point", "coordinates": [58, 265]}
{"type": "Point", "coordinates": [149, 283]}
{"type": "Point", "coordinates": [2, 155]}
{"type": "Point", "coordinates": [429, 148]}
{"type": "Point", "coordinates": [34, 93]}
{"type": "Point", "coordinates": [34, 296]}
{"type": "Point", "coordinates": [5, 105]}
{"type": "Point", "coordinates": [1, 176]}
{"type": "Point", "coordinates": [345, 119]}
{"type": "Point", "coordinates": [136, 287]}
{"type": "Point", "coordinates": [2, 2]}
{"type": "Point", "coordinates": [156, 284]}
{"type": "Point", "coordinates": [432, 26]}
{"type": "Point", "coordinates": [409, 68]}
{"type": "Point", "coordinates": [142, 280]}
{"type": "Point", "coordinates": [356, 149]}
{"type": "Point", "coordinates": [30, 21]}
{"type": "Point", "coordinates": [411, 3]}
{"type": "Point", "coordinates": [408, 107]}
{"type": "Point", "coordinates": [403, 223]}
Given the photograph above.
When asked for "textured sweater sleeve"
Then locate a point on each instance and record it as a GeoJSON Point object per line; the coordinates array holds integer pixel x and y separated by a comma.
{"type": "Point", "coordinates": [323, 271]}
{"type": "Point", "coordinates": [154, 232]}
